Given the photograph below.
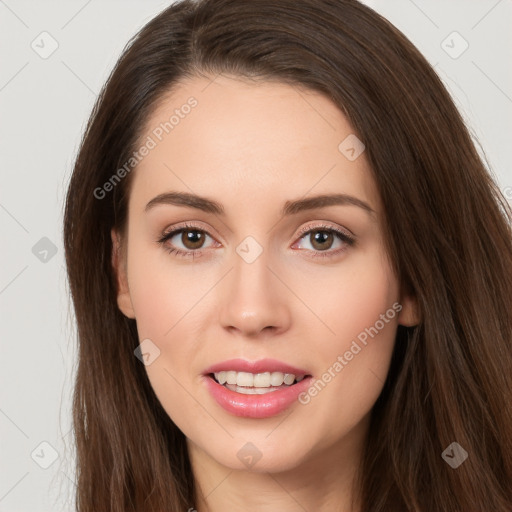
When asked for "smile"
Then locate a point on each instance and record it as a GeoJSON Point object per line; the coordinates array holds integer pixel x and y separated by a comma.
{"type": "Point", "coordinates": [255, 383]}
{"type": "Point", "coordinates": [270, 388]}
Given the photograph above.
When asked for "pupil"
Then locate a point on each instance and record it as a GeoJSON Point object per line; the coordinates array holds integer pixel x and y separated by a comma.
{"type": "Point", "coordinates": [192, 237]}
{"type": "Point", "coordinates": [321, 237]}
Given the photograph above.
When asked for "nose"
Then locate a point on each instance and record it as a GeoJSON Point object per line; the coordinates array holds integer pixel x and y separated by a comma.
{"type": "Point", "coordinates": [254, 301]}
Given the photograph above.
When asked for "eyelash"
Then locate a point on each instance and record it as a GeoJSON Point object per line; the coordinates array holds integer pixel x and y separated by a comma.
{"type": "Point", "coordinates": [344, 237]}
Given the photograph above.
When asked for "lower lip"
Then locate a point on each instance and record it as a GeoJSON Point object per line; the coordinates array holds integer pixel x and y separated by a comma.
{"type": "Point", "coordinates": [256, 406]}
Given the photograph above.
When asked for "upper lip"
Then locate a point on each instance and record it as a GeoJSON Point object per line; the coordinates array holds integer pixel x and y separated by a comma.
{"type": "Point", "coordinates": [259, 366]}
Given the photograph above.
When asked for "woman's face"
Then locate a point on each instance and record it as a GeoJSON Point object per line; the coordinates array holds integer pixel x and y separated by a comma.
{"type": "Point", "coordinates": [268, 273]}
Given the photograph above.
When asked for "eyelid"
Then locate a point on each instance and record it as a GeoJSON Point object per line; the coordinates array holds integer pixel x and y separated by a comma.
{"type": "Point", "coordinates": [302, 231]}
{"type": "Point", "coordinates": [327, 226]}
{"type": "Point", "coordinates": [344, 234]}
{"type": "Point", "coordinates": [185, 225]}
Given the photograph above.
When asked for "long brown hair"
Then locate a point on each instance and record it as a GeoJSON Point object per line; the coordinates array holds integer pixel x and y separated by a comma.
{"type": "Point", "coordinates": [448, 234]}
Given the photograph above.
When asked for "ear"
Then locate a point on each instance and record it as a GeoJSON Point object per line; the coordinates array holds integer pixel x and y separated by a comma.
{"type": "Point", "coordinates": [124, 301]}
{"type": "Point", "coordinates": [409, 315]}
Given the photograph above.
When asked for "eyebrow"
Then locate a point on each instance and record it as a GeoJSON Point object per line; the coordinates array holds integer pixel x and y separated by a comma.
{"type": "Point", "coordinates": [289, 208]}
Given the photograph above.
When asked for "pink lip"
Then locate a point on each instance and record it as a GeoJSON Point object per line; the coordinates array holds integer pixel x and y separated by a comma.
{"type": "Point", "coordinates": [260, 366]}
{"type": "Point", "coordinates": [255, 406]}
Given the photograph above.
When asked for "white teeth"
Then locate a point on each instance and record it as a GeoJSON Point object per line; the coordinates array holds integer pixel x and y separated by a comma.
{"type": "Point", "coordinates": [244, 379]}
{"type": "Point", "coordinates": [255, 380]}
{"type": "Point", "coordinates": [276, 378]}
{"type": "Point", "coordinates": [250, 391]}
{"type": "Point", "coordinates": [289, 378]}
{"type": "Point", "coordinates": [261, 380]}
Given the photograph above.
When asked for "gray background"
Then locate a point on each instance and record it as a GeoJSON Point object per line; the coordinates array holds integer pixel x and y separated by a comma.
{"type": "Point", "coordinates": [44, 104]}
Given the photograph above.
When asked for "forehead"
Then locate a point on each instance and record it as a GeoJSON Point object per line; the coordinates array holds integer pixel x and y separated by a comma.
{"type": "Point", "coordinates": [255, 141]}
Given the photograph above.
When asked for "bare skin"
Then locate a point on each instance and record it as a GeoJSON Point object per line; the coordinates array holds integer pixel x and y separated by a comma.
{"type": "Point", "coordinates": [252, 147]}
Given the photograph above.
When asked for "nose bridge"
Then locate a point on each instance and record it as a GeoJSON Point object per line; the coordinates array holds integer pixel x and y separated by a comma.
{"type": "Point", "coordinates": [253, 298]}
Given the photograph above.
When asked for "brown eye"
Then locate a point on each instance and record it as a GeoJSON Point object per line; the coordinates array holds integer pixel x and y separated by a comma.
{"type": "Point", "coordinates": [324, 241]}
{"type": "Point", "coordinates": [185, 241]}
{"type": "Point", "coordinates": [321, 240]}
{"type": "Point", "coordinates": [192, 238]}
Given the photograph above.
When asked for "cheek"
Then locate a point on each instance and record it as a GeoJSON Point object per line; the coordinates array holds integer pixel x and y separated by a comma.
{"type": "Point", "coordinates": [353, 377]}
{"type": "Point", "coordinates": [351, 300]}
{"type": "Point", "coordinates": [162, 293]}
{"type": "Point", "coordinates": [163, 298]}
{"type": "Point", "coordinates": [361, 310]}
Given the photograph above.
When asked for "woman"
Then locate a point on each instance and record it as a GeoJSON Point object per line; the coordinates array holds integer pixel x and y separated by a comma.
{"type": "Point", "coordinates": [291, 273]}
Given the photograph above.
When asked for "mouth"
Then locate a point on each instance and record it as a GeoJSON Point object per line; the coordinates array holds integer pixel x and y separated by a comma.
{"type": "Point", "coordinates": [256, 383]}
{"type": "Point", "coordinates": [255, 389]}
